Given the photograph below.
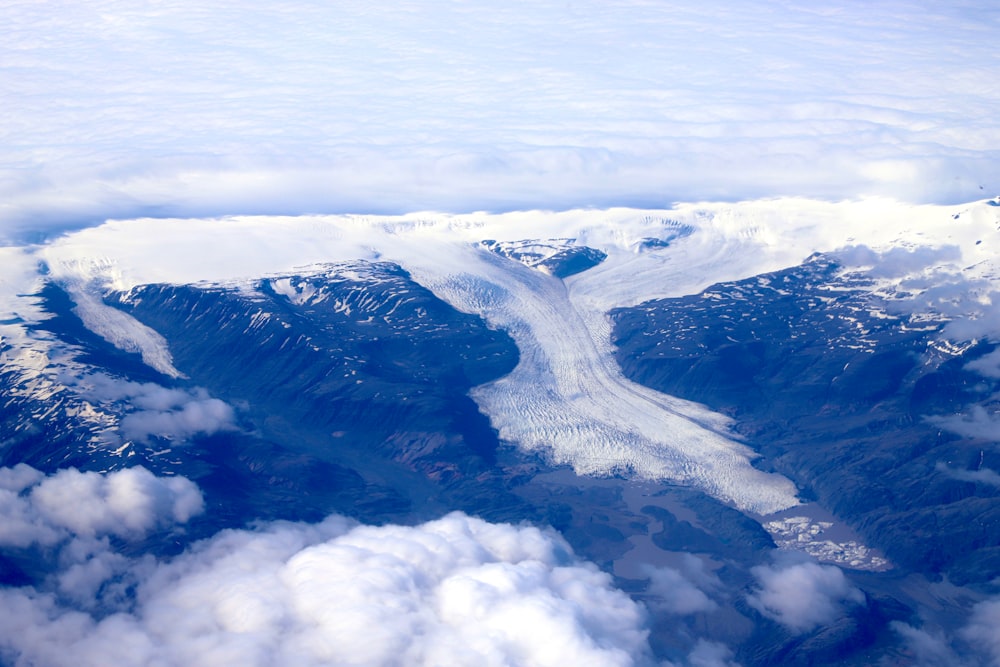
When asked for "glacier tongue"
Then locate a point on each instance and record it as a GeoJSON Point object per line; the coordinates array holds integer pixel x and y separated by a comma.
{"type": "Point", "coordinates": [123, 331]}
{"type": "Point", "coordinates": [567, 396]}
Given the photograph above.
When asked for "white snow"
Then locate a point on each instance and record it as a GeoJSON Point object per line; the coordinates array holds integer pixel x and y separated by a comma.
{"type": "Point", "coordinates": [122, 330]}
{"type": "Point", "coordinates": [815, 537]}
{"type": "Point", "coordinates": [567, 396]}
{"type": "Point", "coordinates": [34, 361]}
{"type": "Point", "coordinates": [298, 293]}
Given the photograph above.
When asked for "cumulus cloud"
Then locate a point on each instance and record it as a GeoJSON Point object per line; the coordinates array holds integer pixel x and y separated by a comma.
{"type": "Point", "coordinates": [44, 510]}
{"type": "Point", "coordinates": [979, 476]}
{"type": "Point", "coordinates": [932, 284]}
{"type": "Point", "coordinates": [65, 521]}
{"type": "Point", "coordinates": [978, 422]}
{"type": "Point", "coordinates": [929, 649]}
{"type": "Point", "coordinates": [975, 644]}
{"type": "Point", "coordinates": [171, 413]}
{"type": "Point", "coordinates": [200, 415]}
{"type": "Point", "coordinates": [711, 654]}
{"type": "Point", "coordinates": [983, 630]}
{"type": "Point", "coordinates": [976, 320]}
{"type": "Point", "coordinates": [680, 590]}
{"type": "Point", "coordinates": [453, 591]}
{"type": "Point", "coordinates": [802, 595]}
{"type": "Point", "coordinates": [706, 653]}
{"type": "Point", "coordinates": [22, 524]}
{"type": "Point", "coordinates": [987, 365]}
{"type": "Point", "coordinates": [127, 502]}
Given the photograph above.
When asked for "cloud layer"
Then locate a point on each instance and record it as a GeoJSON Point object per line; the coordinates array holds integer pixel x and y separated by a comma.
{"type": "Point", "coordinates": [117, 108]}
{"type": "Point", "coordinates": [453, 591]}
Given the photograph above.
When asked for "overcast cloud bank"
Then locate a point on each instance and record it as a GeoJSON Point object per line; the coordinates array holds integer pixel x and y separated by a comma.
{"type": "Point", "coordinates": [114, 108]}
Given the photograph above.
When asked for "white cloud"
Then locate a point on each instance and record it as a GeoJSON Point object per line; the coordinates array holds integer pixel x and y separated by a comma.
{"type": "Point", "coordinates": [897, 262]}
{"type": "Point", "coordinates": [680, 591]}
{"type": "Point", "coordinates": [980, 476]}
{"type": "Point", "coordinates": [706, 653]}
{"type": "Point", "coordinates": [119, 110]}
{"type": "Point", "coordinates": [176, 414]}
{"type": "Point", "coordinates": [938, 283]}
{"type": "Point", "coordinates": [982, 630]}
{"type": "Point", "coordinates": [977, 422]}
{"type": "Point", "coordinates": [65, 521]}
{"type": "Point", "coordinates": [711, 654]}
{"type": "Point", "coordinates": [196, 417]}
{"type": "Point", "coordinates": [974, 644]}
{"type": "Point", "coordinates": [22, 525]}
{"type": "Point", "coordinates": [802, 595]}
{"type": "Point", "coordinates": [987, 365]}
{"type": "Point", "coordinates": [128, 503]}
{"type": "Point", "coordinates": [453, 591]}
{"type": "Point", "coordinates": [929, 649]}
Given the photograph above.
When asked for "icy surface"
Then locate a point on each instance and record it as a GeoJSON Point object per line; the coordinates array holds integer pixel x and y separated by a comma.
{"type": "Point", "coordinates": [802, 533]}
{"type": "Point", "coordinates": [123, 331]}
{"type": "Point", "coordinates": [567, 398]}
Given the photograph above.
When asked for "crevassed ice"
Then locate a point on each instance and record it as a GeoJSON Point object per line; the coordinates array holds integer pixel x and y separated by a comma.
{"type": "Point", "coordinates": [568, 398]}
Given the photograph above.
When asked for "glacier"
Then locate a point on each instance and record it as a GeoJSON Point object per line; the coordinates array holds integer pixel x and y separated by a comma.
{"type": "Point", "coordinates": [567, 398]}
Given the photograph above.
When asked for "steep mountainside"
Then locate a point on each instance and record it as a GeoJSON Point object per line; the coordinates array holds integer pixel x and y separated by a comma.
{"type": "Point", "coordinates": [846, 393]}
{"type": "Point", "coordinates": [342, 390]}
